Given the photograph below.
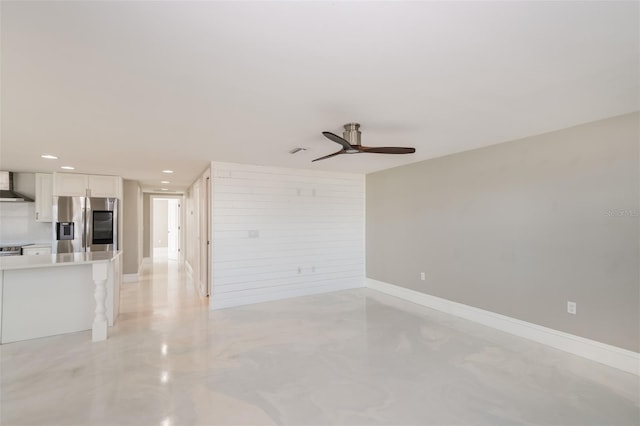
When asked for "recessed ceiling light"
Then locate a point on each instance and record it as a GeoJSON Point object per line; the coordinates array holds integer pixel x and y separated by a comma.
{"type": "Point", "coordinates": [49, 156]}
{"type": "Point", "coordinates": [167, 171]}
{"type": "Point", "coordinates": [164, 181]}
{"type": "Point", "coordinates": [67, 167]}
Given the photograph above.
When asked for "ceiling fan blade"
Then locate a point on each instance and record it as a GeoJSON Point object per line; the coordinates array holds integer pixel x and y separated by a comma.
{"type": "Point", "coordinates": [388, 150]}
{"type": "Point", "coordinates": [337, 139]}
{"type": "Point", "coordinates": [329, 156]}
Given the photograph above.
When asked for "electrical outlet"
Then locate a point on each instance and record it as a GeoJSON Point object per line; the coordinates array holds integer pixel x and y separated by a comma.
{"type": "Point", "coordinates": [423, 276]}
{"type": "Point", "coordinates": [571, 307]}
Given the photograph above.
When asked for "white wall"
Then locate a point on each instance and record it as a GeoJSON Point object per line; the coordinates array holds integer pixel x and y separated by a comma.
{"type": "Point", "coordinates": [281, 233]}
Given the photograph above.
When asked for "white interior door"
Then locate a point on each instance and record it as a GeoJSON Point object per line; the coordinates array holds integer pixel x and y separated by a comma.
{"type": "Point", "coordinates": [160, 225]}
{"type": "Point", "coordinates": [173, 225]}
{"type": "Point", "coordinates": [204, 242]}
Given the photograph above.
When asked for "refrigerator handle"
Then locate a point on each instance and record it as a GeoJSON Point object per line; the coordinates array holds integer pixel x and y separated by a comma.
{"type": "Point", "coordinates": [84, 228]}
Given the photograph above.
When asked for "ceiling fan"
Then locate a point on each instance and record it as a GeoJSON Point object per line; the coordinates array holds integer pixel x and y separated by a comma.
{"type": "Point", "coordinates": [351, 144]}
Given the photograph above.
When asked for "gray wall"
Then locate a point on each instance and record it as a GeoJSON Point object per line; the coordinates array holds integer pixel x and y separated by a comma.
{"type": "Point", "coordinates": [520, 228]}
{"type": "Point", "coordinates": [146, 225]}
{"type": "Point", "coordinates": [132, 227]}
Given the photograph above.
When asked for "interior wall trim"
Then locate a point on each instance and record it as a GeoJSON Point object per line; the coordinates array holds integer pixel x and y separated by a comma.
{"type": "Point", "coordinates": [130, 278]}
{"type": "Point", "coordinates": [188, 268]}
{"type": "Point", "coordinates": [603, 353]}
{"type": "Point", "coordinates": [223, 301]}
{"type": "Point", "coordinates": [196, 280]}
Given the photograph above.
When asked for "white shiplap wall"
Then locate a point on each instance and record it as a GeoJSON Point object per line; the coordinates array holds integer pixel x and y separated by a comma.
{"type": "Point", "coordinates": [281, 233]}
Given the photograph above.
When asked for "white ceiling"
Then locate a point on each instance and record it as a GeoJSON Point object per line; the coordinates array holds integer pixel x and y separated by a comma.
{"type": "Point", "coordinates": [131, 88]}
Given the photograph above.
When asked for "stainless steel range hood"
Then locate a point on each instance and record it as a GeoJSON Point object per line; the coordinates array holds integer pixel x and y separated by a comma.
{"type": "Point", "coordinates": [6, 189]}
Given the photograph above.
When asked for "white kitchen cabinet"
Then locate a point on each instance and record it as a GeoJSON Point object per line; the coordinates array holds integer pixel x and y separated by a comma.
{"type": "Point", "coordinates": [44, 197]}
{"type": "Point", "coordinates": [70, 185]}
{"type": "Point", "coordinates": [50, 295]}
{"type": "Point", "coordinates": [77, 185]}
{"type": "Point", "coordinates": [104, 186]}
{"type": "Point", "coordinates": [36, 251]}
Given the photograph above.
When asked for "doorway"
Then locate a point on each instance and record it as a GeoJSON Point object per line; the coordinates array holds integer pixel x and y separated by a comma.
{"type": "Point", "coordinates": [165, 229]}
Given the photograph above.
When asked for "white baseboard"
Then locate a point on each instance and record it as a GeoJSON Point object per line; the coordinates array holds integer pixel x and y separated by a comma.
{"type": "Point", "coordinates": [603, 353]}
{"type": "Point", "coordinates": [130, 278]}
{"type": "Point", "coordinates": [222, 301]}
{"type": "Point", "coordinates": [195, 280]}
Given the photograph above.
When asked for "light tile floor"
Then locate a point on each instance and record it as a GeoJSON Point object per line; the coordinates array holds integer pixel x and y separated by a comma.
{"type": "Point", "coordinates": [346, 358]}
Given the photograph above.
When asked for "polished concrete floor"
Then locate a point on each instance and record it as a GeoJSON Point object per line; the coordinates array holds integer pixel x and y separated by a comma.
{"type": "Point", "coordinates": [346, 358]}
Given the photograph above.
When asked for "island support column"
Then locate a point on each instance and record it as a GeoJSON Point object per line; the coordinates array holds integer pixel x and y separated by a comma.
{"type": "Point", "coordinates": [99, 331]}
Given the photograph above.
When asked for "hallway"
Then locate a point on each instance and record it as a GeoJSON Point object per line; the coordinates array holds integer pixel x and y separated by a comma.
{"type": "Point", "coordinates": [163, 291]}
{"type": "Point", "coordinates": [351, 357]}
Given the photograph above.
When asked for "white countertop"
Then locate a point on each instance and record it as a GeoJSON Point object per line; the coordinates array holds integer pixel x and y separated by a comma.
{"type": "Point", "coordinates": [36, 246]}
{"type": "Point", "coordinates": [64, 259]}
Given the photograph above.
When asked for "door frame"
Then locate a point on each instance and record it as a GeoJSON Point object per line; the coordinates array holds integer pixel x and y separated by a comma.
{"type": "Point", "coordinates": [180, 198]}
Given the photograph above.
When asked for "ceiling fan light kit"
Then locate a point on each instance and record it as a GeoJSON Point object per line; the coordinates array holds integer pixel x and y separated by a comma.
{"type": "Point", "coordinates": [351, 143]}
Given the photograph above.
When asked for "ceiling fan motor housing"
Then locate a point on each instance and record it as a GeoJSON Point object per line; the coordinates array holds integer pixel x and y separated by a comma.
{"type": "Point", "coordinates": [352, 134]}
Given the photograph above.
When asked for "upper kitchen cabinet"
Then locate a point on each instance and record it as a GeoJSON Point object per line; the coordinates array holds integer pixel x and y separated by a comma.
{"type": "Point", "coordinates": [105, 186]}
{"type": "Point", "coordinates": [77, 185]}
{"type": "Point", "coordinates": [70, 185]}
{"type": "Point", "coordinates": [44, 197]}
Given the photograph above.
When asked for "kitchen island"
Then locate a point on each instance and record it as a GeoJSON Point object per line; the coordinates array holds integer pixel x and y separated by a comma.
{"type": "Point", "coordinates": [55, 294]}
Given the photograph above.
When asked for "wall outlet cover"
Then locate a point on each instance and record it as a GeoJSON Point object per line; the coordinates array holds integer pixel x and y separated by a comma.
{"type": "Point", "coordinates": [571, 307]}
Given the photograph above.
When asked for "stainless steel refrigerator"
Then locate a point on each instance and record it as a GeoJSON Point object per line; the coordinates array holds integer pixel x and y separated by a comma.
{"type": "Point", "coordinates": [83, 224]}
